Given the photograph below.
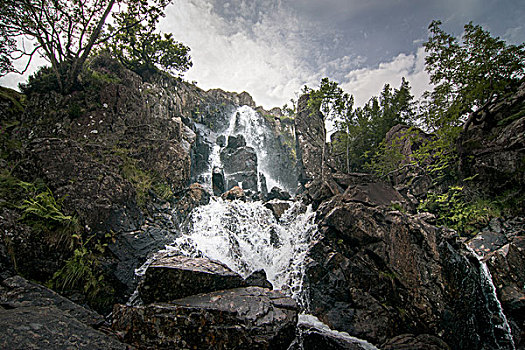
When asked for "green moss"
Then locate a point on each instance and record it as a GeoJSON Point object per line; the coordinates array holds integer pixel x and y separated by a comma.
{"type": "Point", "coordinates": [511, 118]}
{"type": "Point", "coordinates": [16, 99]}
{"type": "Point", "coordinates": [102, 78]}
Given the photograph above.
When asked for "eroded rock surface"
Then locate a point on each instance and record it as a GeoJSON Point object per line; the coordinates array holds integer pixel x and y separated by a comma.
{"type": "Point", "coordinates": [242, 318]}
{"type": "Point", "coordinates": [174, 277]}
{"type": "Point", "coordinates": [34, 317]}
{"type": "Point", "coordinates": [378, 273]}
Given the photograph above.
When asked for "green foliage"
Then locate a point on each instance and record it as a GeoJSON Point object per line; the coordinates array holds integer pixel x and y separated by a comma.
{"type": "Point", "coordinates": [43, 212]}
{"type": "Point", "coordinates": [81, 272]}
{"type": "Point", "coordinates": [469, 73]}
{"type": "Point", "coordinates": [64, 32]}
{"type": "Point", "coordinates": [142, 50]}
{"type": "Point", "coordinates": [453, 209]}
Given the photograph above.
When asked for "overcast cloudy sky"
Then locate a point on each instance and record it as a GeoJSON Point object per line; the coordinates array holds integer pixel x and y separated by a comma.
{"type": "Point", "coordinates": [272, 48]}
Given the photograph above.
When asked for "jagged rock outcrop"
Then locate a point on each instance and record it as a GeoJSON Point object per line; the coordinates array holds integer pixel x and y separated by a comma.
{"type": "Point", "coordinates": [313, 335]}
{"type": "Point", "coordinates": [492, 148]}
{"type": "Point", "coordinates": [378, 273]}
{"type": "Point", "coordinates": [242, 318]}
{"type": "Point", "coordinates": [409, 178]}
{"type": "Point", "coordinates": [240, 164]}
{"type": "Point", "coordinates": [235, 193]}
{"type": "Point", "coordinates": [34, 317]}
{"type": "Point", "coordinates": [309, 133]}
{"type": "Point", "coordinates": [278, 207]}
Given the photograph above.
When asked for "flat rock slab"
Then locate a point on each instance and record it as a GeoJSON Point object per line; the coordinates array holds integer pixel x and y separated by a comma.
{"type": "Point", "coordinates": [175, 277]}
{"type": "Point", "coordinates": [17, 292]}
{"type": "Point", "coordinates": [48, 327]}
{"type": "Point", "coordinates": [241, 318]}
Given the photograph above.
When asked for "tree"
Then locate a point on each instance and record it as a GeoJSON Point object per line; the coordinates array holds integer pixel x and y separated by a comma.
{"type": "Point", "coordinates": [467, 74]}
{"type": "Point", "coordinates": [142, 50]}
{"type": "Point", "coordinates": [332, 102]}
{"type": "Point", "coordinates": [63, 32]}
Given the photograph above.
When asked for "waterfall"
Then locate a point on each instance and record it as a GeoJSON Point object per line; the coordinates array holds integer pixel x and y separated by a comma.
{"type": "Point", "coordinates": [247, 122]}
{"type": "Point", "coordinates": [247, 237]}
{"type": "Point", "coordinates": [493, 304]}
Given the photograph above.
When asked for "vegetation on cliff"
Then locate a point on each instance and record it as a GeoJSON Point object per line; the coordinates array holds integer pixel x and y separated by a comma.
{"type": "Point", "coordinates": [467, 75]}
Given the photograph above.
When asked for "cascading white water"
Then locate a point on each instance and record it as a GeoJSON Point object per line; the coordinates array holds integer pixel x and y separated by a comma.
{"type": "Point", "coordinates": [249, 123]}
{"type": "Point", "coordinates": [492, 298]}
{"type": "Point", "coordinates": [247, 237]}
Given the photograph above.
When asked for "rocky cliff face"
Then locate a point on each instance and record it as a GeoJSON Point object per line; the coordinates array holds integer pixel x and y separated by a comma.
{"type": "Point", "coordinates": [379, 273]}
{"type": "Point", "coordinates": [492, 148]}
{"type": "Point", "coordinates": [111, 154]}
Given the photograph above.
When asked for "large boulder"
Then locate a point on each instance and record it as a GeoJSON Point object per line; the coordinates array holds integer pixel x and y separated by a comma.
{"type": "Point", "coordinates": [313, 334]}
{"type": "Point", "coordinates": [242, 318]}
{"type": "Point", "coordinates": [240, 164]}
{"type": "Point", "coordinates": [377, 273]}
{"type": "Point", "coordinates": [34, 317]}
{"type": "Point", "coordinates": [174, 277]}
{"type": "Point", "coordinates": [278, 207]}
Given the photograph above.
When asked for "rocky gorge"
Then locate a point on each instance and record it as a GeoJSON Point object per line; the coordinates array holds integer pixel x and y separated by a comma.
{"type": "Point", "coordinates": [194, 219]}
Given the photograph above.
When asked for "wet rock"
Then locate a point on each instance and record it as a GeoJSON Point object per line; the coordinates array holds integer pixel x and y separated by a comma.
{"type": "Point", "coordinates": [17, 292]}
{"type": "Point", "coordinates": [278, 207]}
{"type": "Point", "coordinates": [486, 242]}
{"type": "Point", "coordinates": [47, 327]}
{"type": "Point", "coordinates": [221, 140]}
{"type": "Point", "coordinates": [175, 277]}
{"type": "Point", "coordinates": [192, 197]}
{"type": "Point", "coordinates": [240, 164]}
{"type": "Point", "coordinates": [218, 181]}
{"type": "Point", "coordinates": [313, 335]}
{"type": "Point", "coordinates": [413, 342]}
{"type": "Point", "coordinates": [277, 193]}
{"type": "Point", "coordinates": [235, 142]}
{"type": "Point", "coordinates": [35, 317]}
{"type": "Point", "coordinates": [378, 273]}
{"type": "Point", "coordinates": [131, 249]}
{"type": "Point", "coordinates": [507, 267]}
{"type": "Point", "coordinates": [258, 279]}
{"type": "Point", "coordinates": [236, 193]}
{"type": "Point", "coordinates": [242, 318]}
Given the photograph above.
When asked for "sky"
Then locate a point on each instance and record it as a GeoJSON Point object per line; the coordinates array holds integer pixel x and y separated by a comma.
{"type": "Point", "coordinates": [272, 48]}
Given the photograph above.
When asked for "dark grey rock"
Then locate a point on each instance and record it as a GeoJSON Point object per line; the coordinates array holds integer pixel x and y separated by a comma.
{"type": "Point", "coordinates": [242, 318]}
{"type": "Point", "coordinates": [35, 317]}
{"type": "Point", "coordinates": [221, 140]}
{"type": "Point", "coordinates": [48, 327]}
{"type": "Point", "coordinates": [218, 181]}
{"type": "Point", "coordinates": [415, 342]}
{"type": "Point", "coordinates": [378, 273]}
{"type": "Point", "coordinates": [258, 279]}
{"type": "Point", "coordinates": [278, 207]}
{"type": "Point", "coordinates": [277, 193]}
{"type": "Point", "coordinates": [175, 277]}
{"type": "Point", "coordinates": [17, 292]}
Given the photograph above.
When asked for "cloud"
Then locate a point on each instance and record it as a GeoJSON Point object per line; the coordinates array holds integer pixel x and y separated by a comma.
{"type": "Point", "coordinates": [265, 60]}
{"type": "Point", "coordinates": [367, 82]}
